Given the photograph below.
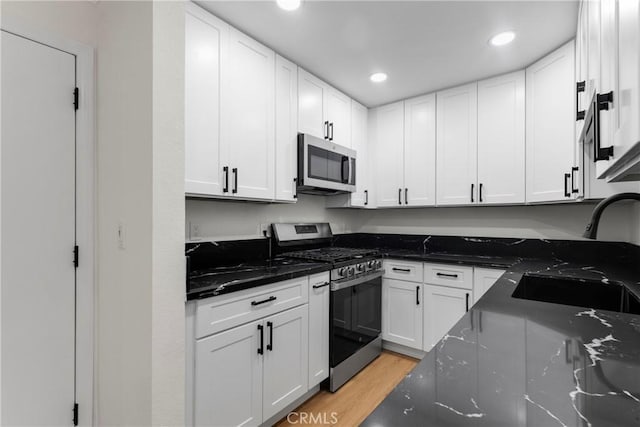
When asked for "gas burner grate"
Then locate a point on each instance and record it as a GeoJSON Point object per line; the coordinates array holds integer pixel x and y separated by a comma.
{"type": "Point", "coordinates": [332, 254]}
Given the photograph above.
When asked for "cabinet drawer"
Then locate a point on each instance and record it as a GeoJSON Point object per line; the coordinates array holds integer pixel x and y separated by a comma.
{"type": "Point", "coordinates": [447, 275]}
{"type": "Point", "coordinates": [403, 270]}
{"type": "Point", "coordinates": [226, 311]}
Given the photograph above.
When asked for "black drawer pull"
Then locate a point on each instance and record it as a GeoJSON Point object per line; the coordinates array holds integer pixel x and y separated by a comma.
{"type": "Point", "coordinates": [480, 193]}
{"type": "Point", "coordinates": [418, 295]}
{"type": "Point", "coordinates": [399, 196]}
{"type": "Point", "coordinates": [270, 345]}
{"type": "Point", "coordinates": [580, 87]}
{"type": "Point", "coordinates": [326, 130]}
{"type": "Point", "coordinates": [235, 180]}
{"type": "Point", "coordinates": [406, 196]}
{"type": "Point", "coordinates": [467, 301]}
{"type": "Point", "coordinates": [455, 276]}
{"type": "Point", "coordinates": [404, 270]}
{"type": "Point", "coordinates": [261, 348]}
{"type": "Point", "coordinates": [567, 176]}
{"type": "Point", "coordinates": [366, 197]}
{"type": "Point", "coordinates": [331, 129]}
{"type": "Point", "coordinates": [574, 189]}
{"type": "Point", "coordinates": [472, 187]}
{"type": "Point", "coordinates": [271, 298]}
{"type": "Point", "coordinates": [225, 188]}
{"type": "Point", "coordinates": [321, 286]}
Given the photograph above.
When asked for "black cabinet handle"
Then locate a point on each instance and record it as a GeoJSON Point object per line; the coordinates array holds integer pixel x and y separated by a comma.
{"type": "Point", "coordinates": [472, 187]}
{"type": "Point", "coordinates": [480, 193]}
{"type": "Point", "coordinates": [295, 188]}
{"type": "Point", "coordinates": [270, 345]}
{"type": "Point", "coordinates": [406, 196]}
{"type": "Point", "coordinates": [417, 295]}
{"type": "Point", "coordinates": [404, 270]}
{"type": "Point", "coordinates": [320, 286]}
{"type": "Point", "coordinates": [602, 103]}
{"type": "Point", "coordinates": [261, 348]}
{"type": "Point", "coordinates": [580, 87]}
{"type": "Point", "coordinates": [566, 185]}
{"type": "Point", "coordinates": [235, 180]}
{"type": "Point", "coordinates": [399, 196]}
{"type": "Point", "coordinates": [573, 180]}
{"type": "Point", "coordinates": [326, 130]}
{"type": "Point", "coordinates": [455, 276]}
{"type": "Point", "coordinates": [366, 197]}
{"type": "Point", "coordinates": [225, 188]}
{"type": "Point", "coordinates": [271, 298]}
{"type": "Point", "coordinates": [467, 301]}
{"type": "Point", "coordinates": [331, 130]}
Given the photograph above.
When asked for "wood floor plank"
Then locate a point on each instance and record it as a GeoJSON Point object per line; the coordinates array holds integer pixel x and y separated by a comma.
{"type": "Point", "coordinates": [354, 401]}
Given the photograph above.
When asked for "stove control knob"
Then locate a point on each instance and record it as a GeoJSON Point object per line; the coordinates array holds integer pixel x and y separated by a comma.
{"type": "Point", "coordinates": [360, 267]}
{"type": "Point", "coordinates": [371, 264]}
{"type": "Point", "coordinates": [378, 264]}
{"type": "Point", "coordinates": [342, 271]}
{"type": "Point", "coordinates": [351, 271]}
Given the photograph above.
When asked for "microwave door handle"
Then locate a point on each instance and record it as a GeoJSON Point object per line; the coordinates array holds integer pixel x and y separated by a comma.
{"type": "Point", "coordinates": [345, 171]}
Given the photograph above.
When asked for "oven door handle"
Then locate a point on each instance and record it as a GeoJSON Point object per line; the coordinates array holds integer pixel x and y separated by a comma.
{"type": "Point", "coordinates": [347, 283]}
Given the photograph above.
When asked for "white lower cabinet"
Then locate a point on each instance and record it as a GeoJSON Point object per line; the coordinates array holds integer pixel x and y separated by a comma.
{"type": "Point", "coordinates": [402, 312]}
{"type": "Point", "coordinates": [483, 279]}
{"type": "Point", "coordinates": [443, 307]}
{"type": "Point", "coordinates": [318, 328]}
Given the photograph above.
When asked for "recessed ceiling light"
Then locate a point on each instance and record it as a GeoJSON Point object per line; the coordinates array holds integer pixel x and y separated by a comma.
{"type": "Point", "coordinates": [288, 4]}
{"type": "Point", "coordinates": [503, 38]}
{"type": "Point", "coordinates": [378, 77]}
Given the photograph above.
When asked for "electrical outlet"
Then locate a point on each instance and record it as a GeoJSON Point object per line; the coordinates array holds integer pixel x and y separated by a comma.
{"type": "Point", "coordinates": [264, 230]}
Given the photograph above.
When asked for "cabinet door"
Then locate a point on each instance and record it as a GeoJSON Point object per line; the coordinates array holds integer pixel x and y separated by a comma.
{"type": "Point", "coordinates": [312, 108]}
{"type": "Point", "coordinates": [457, 143]}
{"type": "Point", "coordinates": [286, 363]}
{"type": "Point", "coordinates": [249, 117]}
{"type": "Point", "coordinates": [339, 117]}
{"type": "Point", "coordinates": [501, 139]}
{"type": "Point", "coordinates": [359, 143]}
{"type": "Point", "coordinates": [206, 44]}
{"type": "Point", "coordinates": [420, 151]}
{"type": "Point", "coordinates": [286, 129]}
{"type": "Point", "coordinates": [318, 328]}
{"type": "Point", "coordinates": [443, 307]}
{"type": "Point", "coordinates": [483, 279]}
{"type": "Point", "coordinates": [389, 154]}
{"type": "Point", "coordinates": [550, 126]}
{"type": "Point", "coordinates": [228, 378]}
{"type": "Point", "coordinates": [402, 312]}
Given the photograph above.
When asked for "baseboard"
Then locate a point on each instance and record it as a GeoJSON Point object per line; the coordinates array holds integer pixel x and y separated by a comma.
{"type": "Point", "coordinates": [283, 413]}
{"type": "Point", "coordinates": [403, 349]}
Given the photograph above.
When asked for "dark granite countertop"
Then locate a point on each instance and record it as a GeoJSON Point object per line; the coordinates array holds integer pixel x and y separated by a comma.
{"type": "Point", "coordinates": [489, 261]}
{"type": "Point", "coordinates": [516, 362]}
{"type": "Point", "coordinates": [220, 280]}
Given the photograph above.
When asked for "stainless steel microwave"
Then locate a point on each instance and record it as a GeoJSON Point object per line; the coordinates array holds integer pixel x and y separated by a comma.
{"type": "Point", "coordinates": [325, 167]}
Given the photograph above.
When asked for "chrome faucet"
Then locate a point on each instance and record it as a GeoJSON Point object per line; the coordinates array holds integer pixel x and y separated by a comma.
{"type": "Point", "coordinates": [592, 228]}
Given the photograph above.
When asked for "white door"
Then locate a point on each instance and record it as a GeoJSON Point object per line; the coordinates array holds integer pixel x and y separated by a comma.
{"type": "Point", "coordinates": [206, 43]}
{"type": "Point", "coordinates": [312, 108]}
{"type": "Point", "coordinates": [318, 328]}
{"type": "Point", "coordinates": [228, 384]}
{"type": "Point", "coordinates": [483, 279]}
{"type": "Point", "coordinates": [38, 233]}
{"type": "Point", "coordinates": [339, 117]}
{"type": "Point", "coordinates": [402, 304]}
{"type": "Point", "coordinates": [389, 156]}
{"type": "Point", "coordinates": [249, 117]}
{"type": "Point", "coordinates": [420, 151]}
{"type": "Point", "coordinates": [286, 363]}
{"type": "Point", "coordinates": [359, 142]}
{"type": "Point", "coordinates": [286, 129]}
{"type": "Point", "coordinates": [550, 126]}
{"type": "Point", "coordinates": [443, 307]}
{"type": "Point", "coordinates": [501, 139]}
{"type": "Point", "coordinates": [457, 144]}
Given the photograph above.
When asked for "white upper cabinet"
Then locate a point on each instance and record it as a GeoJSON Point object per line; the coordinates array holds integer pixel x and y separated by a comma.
{"type": "Point", "coordinates": [550, 118]}
{"type": "Point", "coordinates": [457, 139]}
{"type": "Point", "coordinates": [389, 154]}
{"type": "Point", "coordinates": [360, 143]}
{"type": "Point", "coordinates": [286, 129]}
{"type": "Point", "coordinates": [420, 151]}
{"type": "Point", "coordinates": [323, 111]}
{"type": "Point", "coordinates": [206, 44]}
{"type": "Point", "coordinates": [248, 125]}
{"type": "Point", "coordinates": [312, 105]}
{"type": "Point", "coordinates": [501, 146]}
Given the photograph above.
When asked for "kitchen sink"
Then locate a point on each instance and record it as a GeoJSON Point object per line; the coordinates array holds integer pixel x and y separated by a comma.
{"type": "Point", "coordinates": [577, 292]}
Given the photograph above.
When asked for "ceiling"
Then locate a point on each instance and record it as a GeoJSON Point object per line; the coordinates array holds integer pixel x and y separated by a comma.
{"type": "Point", "coordinates": [422, 45]}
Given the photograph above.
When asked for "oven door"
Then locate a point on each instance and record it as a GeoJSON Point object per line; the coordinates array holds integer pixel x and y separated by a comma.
{"type": "Point", "coordinates": [325, 165]}
{"type": "Point", "coordinates": [356, 316]}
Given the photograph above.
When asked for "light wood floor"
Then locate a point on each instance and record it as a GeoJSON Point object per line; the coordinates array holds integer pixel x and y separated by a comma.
{"type": "Point", "coordinates": [355, 400]}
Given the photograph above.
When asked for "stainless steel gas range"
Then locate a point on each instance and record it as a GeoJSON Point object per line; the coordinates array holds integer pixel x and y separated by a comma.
{"type": "Point", "coordinates": [355, 297]}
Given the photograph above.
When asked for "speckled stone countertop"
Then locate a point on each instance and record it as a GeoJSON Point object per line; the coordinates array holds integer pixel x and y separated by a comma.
{"type": "Point", "coordinates": [517, 362]}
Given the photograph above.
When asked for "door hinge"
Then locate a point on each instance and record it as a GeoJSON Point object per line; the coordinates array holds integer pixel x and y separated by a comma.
{"type": "Point", "coordinates": [75, 414]}
{"type": "Point", "coordinates": [76, 98]}
{"type": "Point", "coordinates": [76, 255]}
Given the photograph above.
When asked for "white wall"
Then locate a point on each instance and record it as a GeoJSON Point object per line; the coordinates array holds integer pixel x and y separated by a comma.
{"type": "Point", "coordinates": [221, 219]}
{"type": "Point", "coordinates": [636, 219]}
